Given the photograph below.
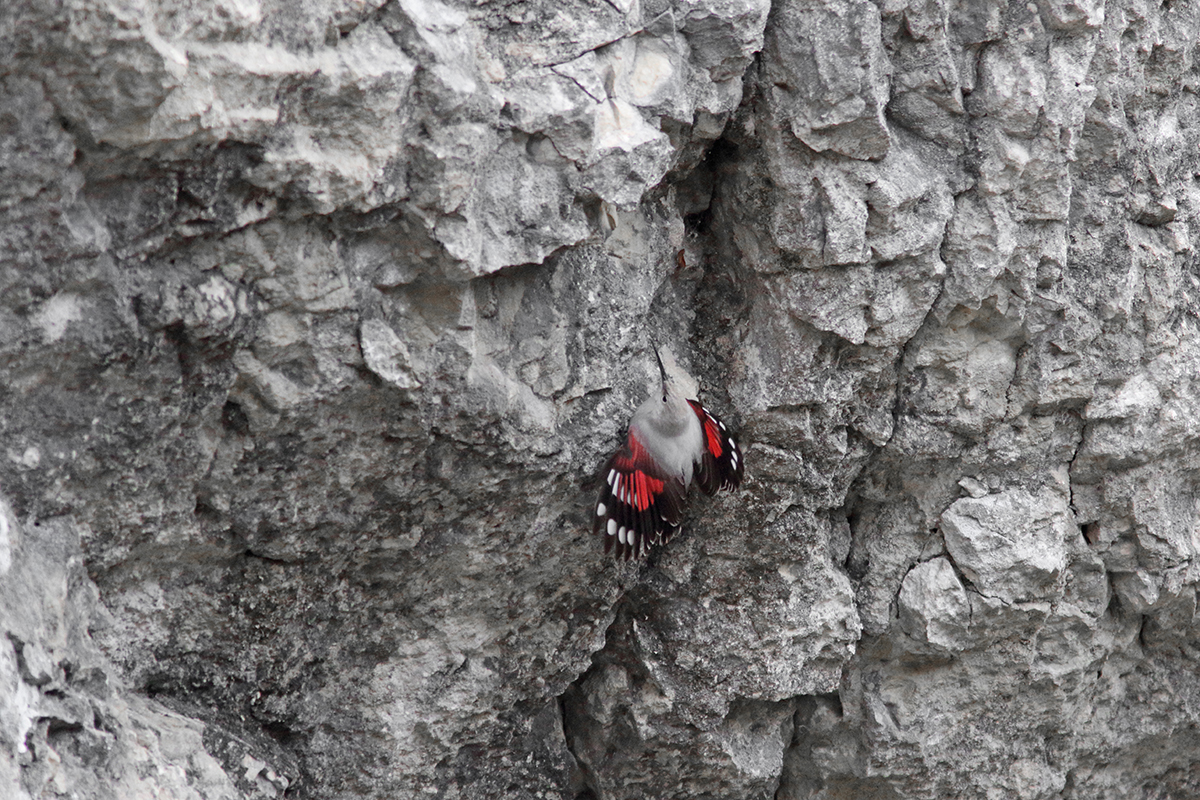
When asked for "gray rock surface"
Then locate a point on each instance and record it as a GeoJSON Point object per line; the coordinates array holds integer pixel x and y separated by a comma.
{"type": "Point", "coordinates": [316, 319]}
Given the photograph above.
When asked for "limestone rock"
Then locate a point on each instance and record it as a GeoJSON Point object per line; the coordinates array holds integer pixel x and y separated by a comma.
{"type": "Point", "coordinates": [933, 605]}
{"type": "Point", "coordinates": [1013, 545]}
{"type": "Point", "coordinates": [317, 319]}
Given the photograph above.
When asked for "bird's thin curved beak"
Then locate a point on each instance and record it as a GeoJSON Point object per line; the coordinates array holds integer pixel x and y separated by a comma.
{"type": "Point", "coordinates": [662, 370]}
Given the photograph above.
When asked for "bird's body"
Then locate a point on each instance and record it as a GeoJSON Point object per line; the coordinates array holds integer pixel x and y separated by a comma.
{"type": "Point", "coordinates": [670, 432]}
{"type": "Point", "coordinates": [672, 441]}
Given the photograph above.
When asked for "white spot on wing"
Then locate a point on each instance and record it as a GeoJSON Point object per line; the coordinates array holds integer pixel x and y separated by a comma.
{"type": "Point", "coordinates": [612, 527]}
{"type": "Point", "coordinates": [621, 534]}
{"type": "Point", "coordinates": [601, 510]}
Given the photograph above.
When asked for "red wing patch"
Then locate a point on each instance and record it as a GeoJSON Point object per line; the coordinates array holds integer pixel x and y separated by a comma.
{"type": "Point", "coordinates": [638, 505]}
{"type": "Point", "coordinates": [721, 466]}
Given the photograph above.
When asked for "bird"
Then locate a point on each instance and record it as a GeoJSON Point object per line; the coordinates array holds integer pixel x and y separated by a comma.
{"type": "Point", "coordinates": [671, 442]}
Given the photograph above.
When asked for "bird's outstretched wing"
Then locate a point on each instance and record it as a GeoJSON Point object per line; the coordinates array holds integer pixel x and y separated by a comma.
{"type": "Point", "coordinates": [639, 504]}
{"type": "Point", "coordinates": [721, 466]}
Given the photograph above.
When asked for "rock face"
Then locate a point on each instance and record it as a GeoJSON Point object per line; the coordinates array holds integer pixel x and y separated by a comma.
{"type": "Point", "coordinates": [317, 318]}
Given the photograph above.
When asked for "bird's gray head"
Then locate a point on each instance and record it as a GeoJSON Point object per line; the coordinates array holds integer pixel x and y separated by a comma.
{"type": "Point", "coordinates": [667, 410]}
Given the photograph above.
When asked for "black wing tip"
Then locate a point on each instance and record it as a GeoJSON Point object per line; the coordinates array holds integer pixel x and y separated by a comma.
{"type": "Point", "coordinates": [636, 532]}
{"type": "Point", "coordinates": [725, 471]}
{"type": "Point", "coordinates": [733, 466]}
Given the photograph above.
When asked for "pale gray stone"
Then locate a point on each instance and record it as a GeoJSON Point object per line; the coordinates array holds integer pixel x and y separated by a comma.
{"type": "Point", "coordinates": [934, 606]}
{"type": "Point", "coordinates": [1011, 545]}
{"type": "Point", "coordinates": [386, 354]}
{"type": "Point", "coordinates": [827, 69]}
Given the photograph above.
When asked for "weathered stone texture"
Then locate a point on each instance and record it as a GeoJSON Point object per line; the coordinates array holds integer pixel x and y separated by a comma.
{"type": "Point", "coordinates": [317, 317]}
